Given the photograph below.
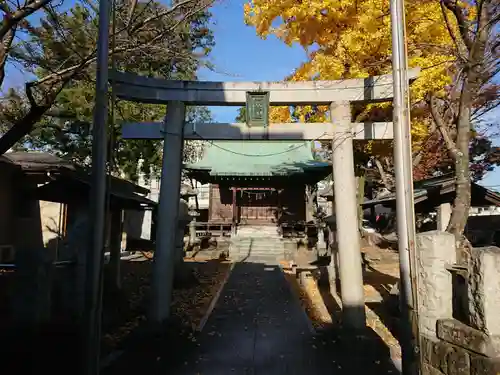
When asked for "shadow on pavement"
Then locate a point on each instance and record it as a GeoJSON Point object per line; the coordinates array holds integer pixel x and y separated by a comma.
{"type": "Point", "coordinates": [257, 327]}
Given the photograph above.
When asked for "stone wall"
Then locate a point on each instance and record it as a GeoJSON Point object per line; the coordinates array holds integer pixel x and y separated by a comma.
{"type": "Point", "coordinates": [458, 350]}
{"type": "Point", "coordinates": [450, 346]}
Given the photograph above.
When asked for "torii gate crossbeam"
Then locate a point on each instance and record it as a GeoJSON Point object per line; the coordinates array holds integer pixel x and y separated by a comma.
{"type": "Point", "coordinates": [240, 131]}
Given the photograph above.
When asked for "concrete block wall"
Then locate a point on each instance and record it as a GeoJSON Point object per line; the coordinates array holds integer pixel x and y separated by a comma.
{"type": "Point", "coordinates": [448, 346]}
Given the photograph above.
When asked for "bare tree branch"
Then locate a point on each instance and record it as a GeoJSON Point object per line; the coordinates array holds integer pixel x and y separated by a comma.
{"type": "Point", "coordinates": [11, 19]}
{"type": "Point", "coordinates": [132, 7]}
{"type": "Point", "coordinates": [458, 47]}
{"type": "Point", "coordinates": [383, 176]}
{"type": "Point", "coordinates": [443, 128]}
{"type": "Point", "coordinates": [5, 46]}
{"type": "Point", "coordinates": [463, 24]}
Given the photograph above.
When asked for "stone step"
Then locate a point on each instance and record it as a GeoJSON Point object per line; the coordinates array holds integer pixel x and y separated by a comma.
{"type": "Point", "coordinates": [260, 244]}
{"type": "Point", "coordinates": [257, 244]}
{"type": "Point", "coordinates": [257, 229]}
{"type": "Point", "coordinates": [265, 251]}
{"type": "Point", "coordinates": [244, 249]}
{"type": "Point", "coordinates": [259, 257]}
{"type": "Point", "coordinates": [252, 239]}
{"type": "Point", "coordinates": [264, 259]}
{"type": "Point", "coordinates": [272, 248]}
{"type": "Point", "coordinates": [263, 244]}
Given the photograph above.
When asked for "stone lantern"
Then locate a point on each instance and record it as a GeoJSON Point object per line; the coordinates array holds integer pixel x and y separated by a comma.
{"type": "Point", "coordinates": [185, 217]}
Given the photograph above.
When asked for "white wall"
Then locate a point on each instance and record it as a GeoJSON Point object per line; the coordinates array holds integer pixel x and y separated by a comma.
{"type": "Point", "coordinates": [484, 211]}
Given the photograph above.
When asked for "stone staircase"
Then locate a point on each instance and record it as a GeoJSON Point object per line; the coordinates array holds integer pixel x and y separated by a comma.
{"type": "Point", "coordinates": [259, 244]}
{"type": "Point", "coordinates": [258, 231]}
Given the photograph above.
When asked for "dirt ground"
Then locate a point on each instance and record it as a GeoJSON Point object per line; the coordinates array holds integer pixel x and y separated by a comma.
{"type": "Point", "coordinates": [189, 302]}
{"type": "Point", "coordinates": [381, 271]}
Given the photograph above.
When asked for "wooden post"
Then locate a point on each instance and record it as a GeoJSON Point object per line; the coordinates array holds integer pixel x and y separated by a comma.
{"type": "Point", "coordinates": [235, 213]}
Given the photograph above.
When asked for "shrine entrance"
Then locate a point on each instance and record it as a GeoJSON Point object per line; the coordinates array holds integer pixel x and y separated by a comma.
{"type": "Point", "coordinates": [339, 129]}
{"type": "Point", "coordinates": [258, 206]}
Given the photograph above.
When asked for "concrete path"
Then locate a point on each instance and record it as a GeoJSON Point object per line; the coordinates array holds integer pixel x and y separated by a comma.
{"type": "Point", "coordinates": [258, 327]}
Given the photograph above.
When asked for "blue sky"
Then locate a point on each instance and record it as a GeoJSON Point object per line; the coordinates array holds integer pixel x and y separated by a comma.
{"type": "Point", "coordinates": [239, 55]}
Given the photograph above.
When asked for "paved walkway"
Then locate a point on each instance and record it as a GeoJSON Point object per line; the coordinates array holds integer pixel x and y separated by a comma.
{"type": "Point", "coordinates": [258, 327]}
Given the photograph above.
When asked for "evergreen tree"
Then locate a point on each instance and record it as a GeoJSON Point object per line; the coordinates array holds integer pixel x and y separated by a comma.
{"type": "Point", "coordinates": [150, 38]}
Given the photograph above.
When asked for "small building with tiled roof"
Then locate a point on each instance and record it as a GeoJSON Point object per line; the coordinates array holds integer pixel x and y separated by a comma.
{"type": "Point", "coordinates": [258, 182]}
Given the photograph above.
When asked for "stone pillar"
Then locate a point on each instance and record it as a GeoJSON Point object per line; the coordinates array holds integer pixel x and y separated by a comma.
{"type": "Point", "coordinates": [183, 220]}
{"type": "Point", "coordinates": [168, 210]}
{"type": "Point", "coordinates": [333, 272]}
{"type": "Point", "coordinates": [179, 245]}
{"type": "Point", "coordinates": [435, 251]}
{"type": "Point", "coordinates": [346, 212]}
{"type": "Point", "coordinates": [192, 231]}
{"type": "Point", "coordinates": [321, 244]}
{"type": "Point", "coordinates": [484, 291]}
{"type": "Point", "coordinates": [443, 216]}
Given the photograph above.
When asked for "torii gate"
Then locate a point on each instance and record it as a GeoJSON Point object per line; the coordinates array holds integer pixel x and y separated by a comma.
{"type": "Point", "coordinates": [336, 94]}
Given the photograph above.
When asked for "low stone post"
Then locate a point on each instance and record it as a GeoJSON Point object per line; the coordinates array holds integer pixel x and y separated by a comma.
{"type": "Point", "coordinates": [333, 267]}
{"type": "Point", "coordinates": [484, 291]}
{"type": "Point", "coordinates": [435, 251]}
{"type": "Point", "coordinates": [321, 244]}
{"type": "Point", "coordinates": [115, 249]}
{"type": "Point", "coordinates": [192, 231]}
{"type": "Point", "coordinates": [443, 216]}
{"type": "Point", "coordinates": [183, 220]}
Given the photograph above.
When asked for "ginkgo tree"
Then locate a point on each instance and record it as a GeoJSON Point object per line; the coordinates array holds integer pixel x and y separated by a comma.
{"type": "Point", "coordinates": [451, 41]}
{"type": "Point", "coordinates": [353, 39]}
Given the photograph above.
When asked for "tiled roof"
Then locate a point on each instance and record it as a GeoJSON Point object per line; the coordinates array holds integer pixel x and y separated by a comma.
{"type": "Point", "coordinates": [257, 158]}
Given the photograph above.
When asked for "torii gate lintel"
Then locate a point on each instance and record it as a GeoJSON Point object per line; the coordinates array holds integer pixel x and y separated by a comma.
{"type": "Point", "coordinates": [142, 89]}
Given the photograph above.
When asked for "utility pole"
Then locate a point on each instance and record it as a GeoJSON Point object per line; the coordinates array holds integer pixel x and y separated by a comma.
{"type": "Point", "coordinates": [404, 192]}
{"type": "Point", "coordinates": [95, 255]}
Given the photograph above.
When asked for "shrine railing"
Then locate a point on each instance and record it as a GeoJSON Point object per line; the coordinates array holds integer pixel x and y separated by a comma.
{"type": "Point", "coordinates": [298, 229]}
{"type": "Point", "coordinates": [213, 229]}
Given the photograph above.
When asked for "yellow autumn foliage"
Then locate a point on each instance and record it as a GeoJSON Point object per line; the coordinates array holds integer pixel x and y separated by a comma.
{"type": "Point", "coordinates": [352, 39]}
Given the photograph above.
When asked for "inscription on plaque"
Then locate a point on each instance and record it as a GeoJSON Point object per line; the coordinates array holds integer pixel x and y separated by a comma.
{"type": "Point", "coordinates": [257, 108]}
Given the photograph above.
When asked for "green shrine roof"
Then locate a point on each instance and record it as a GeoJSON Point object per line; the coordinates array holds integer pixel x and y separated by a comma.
{"type": "Point", "coordinates": [258, 158]}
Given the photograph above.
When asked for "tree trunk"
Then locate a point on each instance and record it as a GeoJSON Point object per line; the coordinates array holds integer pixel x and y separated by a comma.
{"type": "Point", "coordinates": [383, 176]}
{"type": "Point", "coordinates": [21, 128]}
{"type": "Point", "coordinates": [461, 203]}
{"type": "Point", "coordinates": [310, 203]}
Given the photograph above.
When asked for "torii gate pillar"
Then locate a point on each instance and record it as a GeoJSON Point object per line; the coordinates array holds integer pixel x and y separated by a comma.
{"type": "Point", "coordinates": [346, 212]}
{"type": "Point", "coordinates": [168, 213]}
